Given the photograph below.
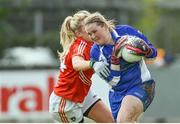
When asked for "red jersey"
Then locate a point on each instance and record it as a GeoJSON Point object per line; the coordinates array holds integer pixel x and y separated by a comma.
{"type": "Point", "coordinates": [74, 85]}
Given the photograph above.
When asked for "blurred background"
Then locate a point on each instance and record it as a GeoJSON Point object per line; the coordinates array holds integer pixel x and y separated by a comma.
{"type": "Point", "coordinates": [29, 40]}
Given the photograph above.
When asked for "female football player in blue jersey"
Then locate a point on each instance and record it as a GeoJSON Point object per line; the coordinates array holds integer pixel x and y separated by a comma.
{"type": "Point", "coordinates": [132, 87]}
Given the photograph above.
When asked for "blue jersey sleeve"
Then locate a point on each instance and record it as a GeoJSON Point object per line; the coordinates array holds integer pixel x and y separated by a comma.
{"type": "Point", "coordinates": [94, 53]}
{"type": "Point", "coordinates": [129, 30]}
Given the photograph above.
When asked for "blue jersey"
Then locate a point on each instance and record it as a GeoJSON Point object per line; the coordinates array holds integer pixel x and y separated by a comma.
{"type": "Point", "coordinates": [130, 73]}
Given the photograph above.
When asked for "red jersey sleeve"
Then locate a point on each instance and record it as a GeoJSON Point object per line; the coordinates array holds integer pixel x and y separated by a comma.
{"type": "Point", "coordinates": [81, 48]}
{"type": "Point", "coordinates": [74, 85]}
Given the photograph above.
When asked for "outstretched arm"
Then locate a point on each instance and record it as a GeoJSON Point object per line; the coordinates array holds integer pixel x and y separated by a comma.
{"type": "Point", "coordinates": [79, 63]}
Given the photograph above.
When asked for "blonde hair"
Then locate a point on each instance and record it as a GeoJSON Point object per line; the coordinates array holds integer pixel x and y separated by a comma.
{"type": "Point", "coordinates": [70, 25]}
{"type": "Point", "coordinates": [100, 20]}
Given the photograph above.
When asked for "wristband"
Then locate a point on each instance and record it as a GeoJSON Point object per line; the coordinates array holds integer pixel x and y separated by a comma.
{"type": "Point", "coordinates": [91, 63]}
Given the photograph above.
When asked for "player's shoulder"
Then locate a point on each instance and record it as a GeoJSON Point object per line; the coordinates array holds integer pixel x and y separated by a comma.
{"type": "Point", "coordinates": [83, 43]}
{"type": "Point", "coordinates": [124, 27]}
{"type": "Point", "coordinates": [79, 41]}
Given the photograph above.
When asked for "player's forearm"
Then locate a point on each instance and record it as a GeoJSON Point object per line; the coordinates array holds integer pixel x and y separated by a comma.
{"type": "Point", "coordinates": [80, 64]}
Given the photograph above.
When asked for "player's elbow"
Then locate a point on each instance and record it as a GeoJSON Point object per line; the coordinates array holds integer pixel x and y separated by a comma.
{"type": "Point", "coordinates": [76, 67]}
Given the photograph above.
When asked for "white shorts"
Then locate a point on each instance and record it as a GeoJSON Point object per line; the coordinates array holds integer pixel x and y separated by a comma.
{"type": "Point", "coordinates": [63, 110]}
{"type": "Point", "coordinates": [90, 100]}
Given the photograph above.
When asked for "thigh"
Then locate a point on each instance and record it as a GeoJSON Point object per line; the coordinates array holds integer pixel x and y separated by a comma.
{"type": "Point", "coordinates": [63, 110]}
{"type": "Point", "coordinates": [100, 113]}
{"type": "Point", "coordinates": [130, 110]}
{"type": "Point", "coordinates": [90, 100]}
{"type": "Point", "coordinates": [93, 108]}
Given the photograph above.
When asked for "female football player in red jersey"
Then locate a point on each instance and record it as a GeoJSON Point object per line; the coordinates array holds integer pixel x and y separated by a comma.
{"type": "Point", "coordinates": [72, 98]}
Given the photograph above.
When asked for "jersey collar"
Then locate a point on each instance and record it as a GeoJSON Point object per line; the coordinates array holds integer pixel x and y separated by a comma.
{"type": "Point", "coordinates": [115, 36]}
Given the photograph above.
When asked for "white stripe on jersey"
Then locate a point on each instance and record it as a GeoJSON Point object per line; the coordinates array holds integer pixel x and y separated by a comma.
{"type": "Point", "coordinates": [101, 56]}
{"type": "Point", "coordinates": [145, 74]}
{"type": "Point", "coordinates": [84, 79]}
{"type": "Point", "coordinates": [115, 34]}
{"type": "Point", "coordinates": [81, 47]}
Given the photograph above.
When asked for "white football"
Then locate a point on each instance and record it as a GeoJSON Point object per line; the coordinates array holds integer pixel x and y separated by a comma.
{"type": "Point", "coordinates": [128, 56]}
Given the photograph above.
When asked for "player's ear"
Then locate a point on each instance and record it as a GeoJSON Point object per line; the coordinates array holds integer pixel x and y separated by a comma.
{"type": "Point", "coordinates": [78, 34]}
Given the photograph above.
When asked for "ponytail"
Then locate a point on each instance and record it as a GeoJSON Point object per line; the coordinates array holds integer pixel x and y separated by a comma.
{"type": "Point", "coordinates": [67, 36]}
{"type": "Point", "coordinates": [70, 25]}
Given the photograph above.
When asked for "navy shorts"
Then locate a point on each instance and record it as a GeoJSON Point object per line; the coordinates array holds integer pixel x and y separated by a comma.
{"type": "Point", "coordinates": [144, 91]}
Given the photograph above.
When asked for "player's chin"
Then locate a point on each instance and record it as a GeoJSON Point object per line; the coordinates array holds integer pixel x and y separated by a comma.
{"type": "Point", "coordinates": [104, 42]}
{"type": "Point", "coordinates": [100, 42]}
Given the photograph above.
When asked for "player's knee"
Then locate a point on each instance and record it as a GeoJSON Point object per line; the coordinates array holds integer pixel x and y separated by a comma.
{"type": "Point", "coordinates": [127, 117]}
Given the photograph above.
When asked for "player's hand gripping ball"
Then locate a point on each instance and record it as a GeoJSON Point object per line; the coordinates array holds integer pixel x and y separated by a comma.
{"type": "Point", "coordinates": [130, 48]}
{"type": "Point", "coordinates": [129, 56]}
